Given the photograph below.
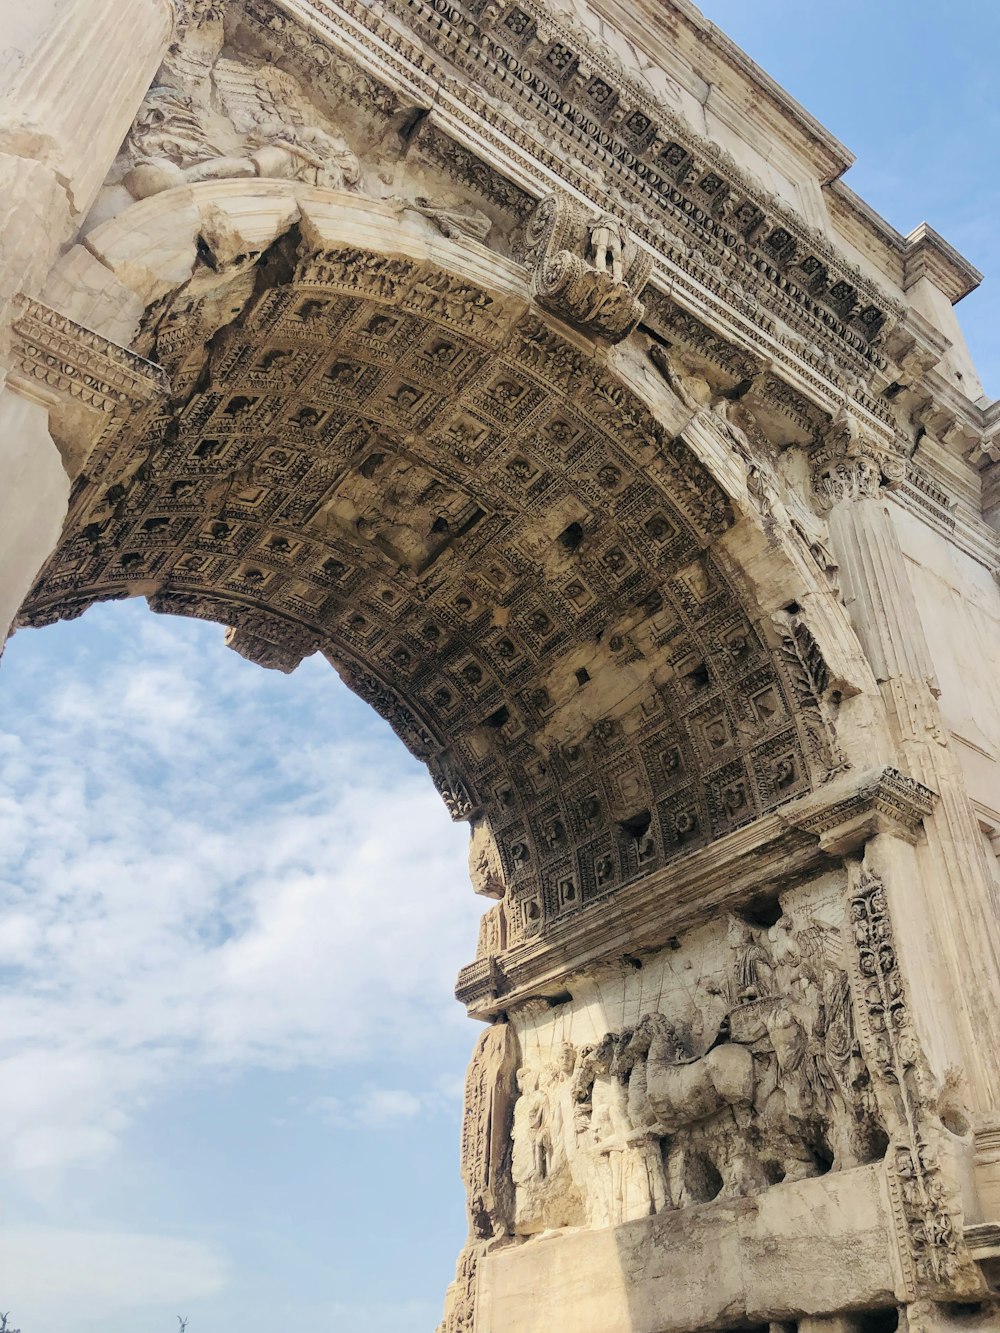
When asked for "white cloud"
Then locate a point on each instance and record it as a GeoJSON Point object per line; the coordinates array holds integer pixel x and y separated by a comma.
{"type": "Point", "coordinates": [71, 1281]}
{"type": "Point", "coordinates": [377, 1108]}
{"type": "Point", "coordinates": [383, 1106]}
{"type": "Point", "coordinates": [197, 882]}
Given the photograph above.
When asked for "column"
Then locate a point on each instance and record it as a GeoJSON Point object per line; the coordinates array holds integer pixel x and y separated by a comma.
{"type": "Point", "coordinates": [71, 81]}
{"type": "Point", "coordinates": [947, 916]}
{"type": "Point", "coordinates": [34, 490]}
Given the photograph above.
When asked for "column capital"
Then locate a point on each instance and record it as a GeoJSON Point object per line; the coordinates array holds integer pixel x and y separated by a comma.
{"type": "Point", "coordinates": [848, 464]}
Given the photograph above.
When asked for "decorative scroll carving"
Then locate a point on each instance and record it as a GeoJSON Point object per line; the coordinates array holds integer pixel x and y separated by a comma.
{"type": "Point", "coordinates": [923, 1199]}
{"type": "Point", "coordinates": [460, 1302]}
{"type": "Point", "coordinates": [587, 270]}
{"type": "Point", "coordinates": [472, 171]}
{"type": "Point", "coordinates": [850, 466]}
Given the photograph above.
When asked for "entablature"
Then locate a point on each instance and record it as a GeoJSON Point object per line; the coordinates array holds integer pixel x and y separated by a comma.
{"type": "Point", "coordinates": [515, 105]}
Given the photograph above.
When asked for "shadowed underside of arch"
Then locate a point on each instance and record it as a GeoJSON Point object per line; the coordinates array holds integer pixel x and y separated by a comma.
{"type": "Point", "coordinates": [375, 447]}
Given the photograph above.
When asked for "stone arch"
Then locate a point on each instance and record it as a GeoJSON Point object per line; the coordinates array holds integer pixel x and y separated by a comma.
{"type": "Point", "coordinates": [525, 551]}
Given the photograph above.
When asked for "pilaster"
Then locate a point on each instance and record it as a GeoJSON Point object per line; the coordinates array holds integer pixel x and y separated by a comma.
{"type": "Point", "coordinates": [71, 78]}
{"type": "Point", "coordinates": [950, 913]}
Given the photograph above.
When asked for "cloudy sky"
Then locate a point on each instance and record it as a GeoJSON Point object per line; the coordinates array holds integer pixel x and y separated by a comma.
{"type": "Point", "coordinates": [232, 912]}
{"type": "Point", "coordinates": [232, 908]}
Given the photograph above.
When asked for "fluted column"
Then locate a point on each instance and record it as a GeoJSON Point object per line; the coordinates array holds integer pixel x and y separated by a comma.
{"type": "Point", "coordinates": [945, 898]}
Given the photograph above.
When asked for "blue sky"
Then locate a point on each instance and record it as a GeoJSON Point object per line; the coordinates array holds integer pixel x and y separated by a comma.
{"type": "Point", "coordinates": [232, 907]}
{"type": "Point", "coordinates": [910, 87]}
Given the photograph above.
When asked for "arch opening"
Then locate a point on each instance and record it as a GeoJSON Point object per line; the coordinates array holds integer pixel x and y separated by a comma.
{"type": "Point", "coordinates": [384, 453]}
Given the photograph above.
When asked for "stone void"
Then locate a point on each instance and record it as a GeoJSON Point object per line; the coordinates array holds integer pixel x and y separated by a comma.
{"type": "Point", "coordinates": [531, 363]}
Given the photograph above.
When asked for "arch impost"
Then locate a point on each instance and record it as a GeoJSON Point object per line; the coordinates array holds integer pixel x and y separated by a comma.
{"type": "Point", "coordinates": [834, 822]}
{"type": "Point", "coordinates": [75, 364]}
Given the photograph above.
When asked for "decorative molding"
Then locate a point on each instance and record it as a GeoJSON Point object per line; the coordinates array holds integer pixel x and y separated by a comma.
{"type": "Point", "coordinates": [74, 364]}
{"type": "Point", "coordinates": [888, 801]}
{"type": "Point", "coordinates": [712, 248]}
{"type": "Point", "coordinates": [849, 465]}
{"type": "Point", "coordinates": [835, 820]}
{"type": "Point", "coordinates": [586, 99]}
{"type": "Point", "coordinates": [587, 270]}
{"type": "Point", "coordinates": [923, 1200]}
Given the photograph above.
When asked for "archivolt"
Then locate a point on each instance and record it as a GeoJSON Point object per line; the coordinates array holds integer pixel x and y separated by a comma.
{"type": "Point", "coordinates": [376, 448]}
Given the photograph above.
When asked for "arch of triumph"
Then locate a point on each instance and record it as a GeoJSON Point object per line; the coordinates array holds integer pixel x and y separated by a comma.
{"type": "Point", "coordinates": [529, 360]}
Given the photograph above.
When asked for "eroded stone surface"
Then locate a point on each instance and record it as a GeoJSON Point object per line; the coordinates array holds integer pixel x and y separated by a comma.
{"type": "Point", "coordinates": [529, 362]}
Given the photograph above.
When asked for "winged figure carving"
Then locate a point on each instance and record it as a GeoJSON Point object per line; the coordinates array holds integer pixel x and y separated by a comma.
{"type": "Point", "coordinates": [171, 145]}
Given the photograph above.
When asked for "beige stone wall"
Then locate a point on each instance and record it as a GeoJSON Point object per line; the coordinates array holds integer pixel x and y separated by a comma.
{"type": "Point", "coordinates": [958, 598]}
{"type": "Point", "coordinates": [34, 489]}
{"type": "Point", "coordinates": [558, 399]}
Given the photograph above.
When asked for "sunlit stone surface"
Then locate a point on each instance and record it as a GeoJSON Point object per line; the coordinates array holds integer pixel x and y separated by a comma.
{"type": "Point", "coordinates": [529, 362]}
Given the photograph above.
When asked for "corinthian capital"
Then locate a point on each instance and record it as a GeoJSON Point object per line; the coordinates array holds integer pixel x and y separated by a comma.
{"type": "Point", "coordinates": [850, 465]}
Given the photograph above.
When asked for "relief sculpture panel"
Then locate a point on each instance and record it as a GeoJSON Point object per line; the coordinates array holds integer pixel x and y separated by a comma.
{"type": "Point", "coordinates": [715, 1070]}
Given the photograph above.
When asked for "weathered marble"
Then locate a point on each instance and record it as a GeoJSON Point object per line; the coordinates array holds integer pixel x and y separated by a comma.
{"type": "Point", "coordinates": [623, 459]}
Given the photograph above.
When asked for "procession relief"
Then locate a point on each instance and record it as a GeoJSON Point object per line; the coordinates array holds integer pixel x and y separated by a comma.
{"type": "Point", "coordinates": [738, 1067]}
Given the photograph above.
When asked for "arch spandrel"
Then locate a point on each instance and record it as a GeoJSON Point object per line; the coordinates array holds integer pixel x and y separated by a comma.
{"type": "Point", "coordinates": [377, 447]}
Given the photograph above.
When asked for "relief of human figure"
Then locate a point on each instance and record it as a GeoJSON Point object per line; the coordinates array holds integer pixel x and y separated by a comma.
{"type": "Point", "coordinates": [170, 143]}
{"type": "Point", "coordinates": [547, 1192]}
{"type": "Point", "coordinates": [607, 247]}
{"type": "Point", "coordinates": [810, 967]}
{"type": "Point", "coordinates": [651, 1118]}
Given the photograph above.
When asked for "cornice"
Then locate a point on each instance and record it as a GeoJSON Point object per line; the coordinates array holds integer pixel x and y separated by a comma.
{"type": "Point", "coordinates": [701, 263]}
{"type": "Point", "coordinates": [643, 147]}
{"type": "Point", "coordinates": [649, 28]}
{"type": "Point", "coordinates": [928, 255]}
{"type": "Point", "coordinates": [69, 363]}
{"type": "Point", "coordinates": [700, 253]}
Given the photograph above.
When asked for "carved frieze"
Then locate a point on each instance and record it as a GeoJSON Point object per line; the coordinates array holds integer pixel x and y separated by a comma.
{"type": "Point", "coordinates": [554, 76]}
{"type": "Point", "coordinates": [272, 130]}
{"type": "Point", "coordinates": [747, 1073]}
